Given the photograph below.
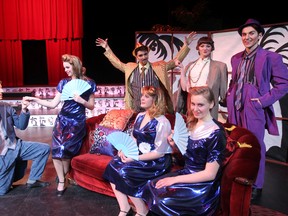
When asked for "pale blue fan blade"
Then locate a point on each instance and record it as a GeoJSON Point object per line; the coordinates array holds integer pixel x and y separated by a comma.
{"type": "Point", "coordinates": [75, 86]}
{"type": "Point", "coordinates": [134, 156]}
{"type": "Point", "coordinates": [122, 141]}
{"type": "Point", "coordinates": [113, 139]}
{"type": "Point", "coordinates": [181, 134]}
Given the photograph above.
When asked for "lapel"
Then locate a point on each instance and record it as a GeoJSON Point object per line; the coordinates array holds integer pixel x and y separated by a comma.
{"type": "Point", "coordinates": [188, 66]}
{"type": "Point", "coordinates": [235, 62]}
{"type": "Point", "coordinates": [259, 62]}
{"type": "Point", "coordinates": [212, 72]}
{"type": "Point", "coordinates": [130, 70]}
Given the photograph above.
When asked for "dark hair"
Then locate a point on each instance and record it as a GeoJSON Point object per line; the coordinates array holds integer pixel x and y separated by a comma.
{"type": "Point", "coordinates": [205, 40]}
{"type": "Point", "coordinates": [258, 28]}
{"type": "Point", "coordinates": [141, 48]}
{"type": "Point", "coordinates": [254, 24]}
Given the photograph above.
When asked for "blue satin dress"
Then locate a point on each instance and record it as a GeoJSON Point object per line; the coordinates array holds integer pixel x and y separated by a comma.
{"type": "Point", "coordinates": [69, 129]}
{"type": "Point", "coordinates": [198, 199]}
{"type": "Point", "coordinates": [129, 178]}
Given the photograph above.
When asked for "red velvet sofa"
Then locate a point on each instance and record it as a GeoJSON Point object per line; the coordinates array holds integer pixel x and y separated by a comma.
{"type": "Point", "coordinates": [240, 171]}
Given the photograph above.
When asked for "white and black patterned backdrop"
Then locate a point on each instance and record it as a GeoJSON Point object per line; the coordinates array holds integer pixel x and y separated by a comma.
{"type": "Point", "coordinates": [165, 46]}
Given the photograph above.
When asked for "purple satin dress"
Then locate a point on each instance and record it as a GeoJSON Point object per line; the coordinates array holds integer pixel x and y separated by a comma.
{"type": "Point", "coordinates": [198, 199]}
{"type": "Point", "coordinates": [129, 178]}
{"type": "Point", "coordinates": [69, 129]}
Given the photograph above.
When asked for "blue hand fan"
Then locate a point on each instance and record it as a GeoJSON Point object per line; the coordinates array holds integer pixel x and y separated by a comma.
{"type": "Point", "coordinates": [181, 134]}
{"type": "Point", "coordinates": [122, 141]}
{"type": "Point", "coordinates": [75, 86]}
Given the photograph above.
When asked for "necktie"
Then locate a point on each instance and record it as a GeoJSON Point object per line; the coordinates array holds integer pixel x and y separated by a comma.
{"type": "Point", "coordinates": [240, 81]}
{"type": "Point", "coordinates": [143, 73]}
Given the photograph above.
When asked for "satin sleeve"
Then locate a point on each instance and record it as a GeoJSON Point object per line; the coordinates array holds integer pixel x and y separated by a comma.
{"type": "Point", "coordinates": [163, 130]}
{"type": "Point", "coordinates": [61, 84]}
{"type": "Point", "coordinates": [217, 147]}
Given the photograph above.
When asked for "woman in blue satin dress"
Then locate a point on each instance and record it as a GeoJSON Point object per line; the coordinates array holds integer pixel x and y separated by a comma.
{"type": "Point", "coordinates": [194, 190]}
{"type": "Point", "coordinates": [151, 130]}
{"type": "Point", "coordinates": [69, 128]}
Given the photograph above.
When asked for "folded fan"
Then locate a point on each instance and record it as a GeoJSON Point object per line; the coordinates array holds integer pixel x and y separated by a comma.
{"type": "Point", "coordinates": [75, 86]}
{"type": "Point", "coordinates": [122, 141]}
{"type": "Point", "coordinates": [181, 134]}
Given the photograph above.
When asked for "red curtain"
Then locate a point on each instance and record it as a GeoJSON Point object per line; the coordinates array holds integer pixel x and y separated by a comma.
{"type": "Point", "coordinates": [55, 49]}
{"type": "Point", "coordinates": [11, 66]}
{"type": "Point", "coordinates": [60, 22]}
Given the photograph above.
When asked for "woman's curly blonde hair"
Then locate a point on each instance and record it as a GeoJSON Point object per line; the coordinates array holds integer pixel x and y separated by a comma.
{"type": "Point", "coordinates": [159, 106]}
{"type": "Point", "coordinates": [78, 70]}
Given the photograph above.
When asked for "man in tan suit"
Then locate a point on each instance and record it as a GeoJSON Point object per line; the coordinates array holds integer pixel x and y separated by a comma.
{"type": "Point", "coordinates": [145, 73]}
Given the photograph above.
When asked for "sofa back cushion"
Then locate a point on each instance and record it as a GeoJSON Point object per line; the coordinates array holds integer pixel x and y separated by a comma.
{"type": "Point", "coordinates": [95, 121]}
{"type": "Point", "coordinates": [117, 119]}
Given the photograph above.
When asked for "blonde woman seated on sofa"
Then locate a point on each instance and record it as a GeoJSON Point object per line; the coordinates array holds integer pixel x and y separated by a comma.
{"type": "Point", "coordinates": [151, 129]}
{"type": "Point", "coordinates": [195, 189]}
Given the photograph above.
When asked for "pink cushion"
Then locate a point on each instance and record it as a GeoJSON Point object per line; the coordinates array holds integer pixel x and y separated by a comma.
{"type": "Point", "coordinates": [99, 143]}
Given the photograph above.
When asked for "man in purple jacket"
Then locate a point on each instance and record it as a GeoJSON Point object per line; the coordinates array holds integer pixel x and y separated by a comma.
{"type": "Point", "coordinates": [250, 97]}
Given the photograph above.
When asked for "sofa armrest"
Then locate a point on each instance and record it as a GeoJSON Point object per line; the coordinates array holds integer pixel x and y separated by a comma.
{"type": "Point", "coordinates": [243, 181]}
{"type": "Point", "coordinates": [240, 197]}
{"type": "Point", "coordinates": [240, 169]}
{"type": "Point", "coordinates": [90, 122]}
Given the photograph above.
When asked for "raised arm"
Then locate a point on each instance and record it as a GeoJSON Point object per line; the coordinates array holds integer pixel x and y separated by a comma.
{"type": "Point", "coordinates": [183, 52]}
{"type": "Point", "coordinates": [188, 39]}
{"type": "Point", "coordinates": [51, 104]}
{"type": "Point", "coordinates": [103, 43]}
{"type": "Point", "coordinates": [115, 61]}
{"type": "Point", "coordinates": [183, 78]}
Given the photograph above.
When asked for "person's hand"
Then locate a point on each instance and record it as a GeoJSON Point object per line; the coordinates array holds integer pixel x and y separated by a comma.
{"type": "Point", "coordinates": [27, 98]}
{"type": "Point", "coordinates": [165, 182]}
{"type": "Point", "coordinates": [170, 140]}
{"type": "Point", "coordinates": [78, 99]}
{"type": "Point", "coordinates": [101, 42]}
{"type": "Point", "coordinates": [123, 158]}
{"type": "Point", "coordinates": [190, 37]}
{"type": "Point", "coordinates": [257, 100]}
{"type": "Point", "coordinates": [177, 62]}
{"type": "Point", "coordinates": [25, 103]}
